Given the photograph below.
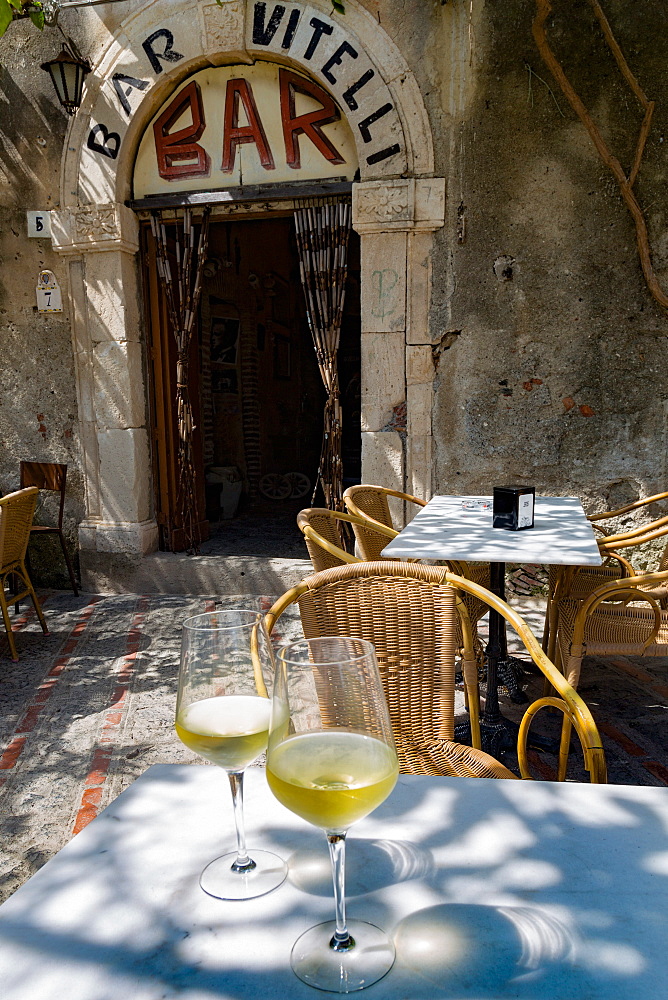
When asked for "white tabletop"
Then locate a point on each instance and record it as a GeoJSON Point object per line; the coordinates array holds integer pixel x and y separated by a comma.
{"type": "Point", "coordinates": [523, 890]}
{"type": "Point", "coordinates": [561, 534]}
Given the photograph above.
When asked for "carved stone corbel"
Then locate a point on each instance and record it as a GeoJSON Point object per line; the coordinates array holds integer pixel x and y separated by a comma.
{"type": "Point", "coordinates": [95, 228]}
{"type": "Point", "coordinates": [395, 205]}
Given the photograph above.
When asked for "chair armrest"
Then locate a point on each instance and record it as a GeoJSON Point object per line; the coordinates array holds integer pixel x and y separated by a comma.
{"type": "Point", "coordinates": [321, 542]}
{"type": "Point", "coordinates": [570, 702]}
{"type": "Point", "coordinates": [405, 496]}
{"type": "Point", "coordinates": [604, 515]}
{"type": "Point", "coordinates": [371, 522]}
{"type": "Point", "coordinates": [635, 536]}
{"type": "Point", "coordinates": [283, 602]}
{"type": "Point", "coordinates": [622, 591]}
{"type": "Point", "coordinates": [627, 568]}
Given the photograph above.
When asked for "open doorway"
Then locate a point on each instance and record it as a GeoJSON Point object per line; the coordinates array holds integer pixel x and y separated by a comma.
{"type": "Point", "coordinates": [257, 396]}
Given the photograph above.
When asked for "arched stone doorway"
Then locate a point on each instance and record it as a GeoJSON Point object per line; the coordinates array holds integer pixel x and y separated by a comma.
{"type": "Point", "coordinates": [397, 205]}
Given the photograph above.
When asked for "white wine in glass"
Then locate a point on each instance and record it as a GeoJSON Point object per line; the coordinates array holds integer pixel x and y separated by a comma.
{"type": "Point", "coordinates": [222, 714]}
{"type": "Point", "coordinates": [331, 760]}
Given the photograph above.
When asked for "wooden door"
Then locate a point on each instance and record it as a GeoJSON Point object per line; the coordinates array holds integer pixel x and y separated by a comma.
{"type": "Point", "coordinates": [161, 355]}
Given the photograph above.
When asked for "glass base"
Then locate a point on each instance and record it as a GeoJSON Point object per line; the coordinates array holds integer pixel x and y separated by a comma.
{"type": "Point", "coordinates": [221, 881]}
{"type": "Point", "coordinates": [367, 961]}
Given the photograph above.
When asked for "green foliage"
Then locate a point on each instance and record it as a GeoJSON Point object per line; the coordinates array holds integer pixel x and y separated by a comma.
{"type": "Point", "coordinates": [6, 16]}
{"type": "Point", "coordinates": [337, 5]}
{"type": "Point", "coordinates": [11, 10]}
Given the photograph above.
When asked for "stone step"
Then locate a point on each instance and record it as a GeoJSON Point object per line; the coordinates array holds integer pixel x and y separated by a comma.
{"type": "Point", "coordinates": [179, 573]}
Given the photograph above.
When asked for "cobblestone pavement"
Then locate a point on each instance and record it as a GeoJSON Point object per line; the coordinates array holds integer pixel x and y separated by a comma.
{"type": "Point", "coordinates": [88, 708]}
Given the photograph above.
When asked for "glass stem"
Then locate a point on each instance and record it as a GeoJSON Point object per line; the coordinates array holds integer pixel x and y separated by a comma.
{"type": "Point", "coordinates": [342, 940]}
{"type": "Point", "coordinates": [242, 863]}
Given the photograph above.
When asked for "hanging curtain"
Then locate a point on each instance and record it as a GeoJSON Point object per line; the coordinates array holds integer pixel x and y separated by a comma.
{"type": "Point", "coordinates": [322, 241]}
{"type": "Point", "coordinates": [180, 271]}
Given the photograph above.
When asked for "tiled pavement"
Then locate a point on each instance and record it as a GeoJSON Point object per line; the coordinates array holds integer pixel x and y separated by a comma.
{"type": "Point", "coordinates": [90, 707]}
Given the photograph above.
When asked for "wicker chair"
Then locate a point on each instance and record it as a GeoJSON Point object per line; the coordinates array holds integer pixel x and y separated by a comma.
{"type": "Point", "coordinates": [50, 476]}
{"type": "Point", "coordinates": [411, 613]}
{"type": "Point", "coordinates": [370, 504]}
{"type": "Point", "coordinates": [320, 528]}
{"type": "Point", "coordinates": [576, 583]}
{"type": "Point", "coordinates": [16, 514]}
{"type": "Point", "coordinates": [623, 617]}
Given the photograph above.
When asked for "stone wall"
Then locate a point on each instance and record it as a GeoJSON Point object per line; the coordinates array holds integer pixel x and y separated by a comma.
{"type": "Point", "coordinates": [534, 350]}
{"type": "Point", "coordinates": [38, 406]}
{"type": "Point", "coordinates": [552, 367]}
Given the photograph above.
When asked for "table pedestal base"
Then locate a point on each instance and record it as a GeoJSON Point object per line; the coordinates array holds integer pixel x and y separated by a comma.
{"type": "Point", "coordinates": [498, 733]}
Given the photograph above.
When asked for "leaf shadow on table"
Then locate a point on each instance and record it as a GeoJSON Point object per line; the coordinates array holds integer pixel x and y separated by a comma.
{"type": "Point", "coordinates": [532, 893]}
{"type": "Point", "coordinates": [370, 865]}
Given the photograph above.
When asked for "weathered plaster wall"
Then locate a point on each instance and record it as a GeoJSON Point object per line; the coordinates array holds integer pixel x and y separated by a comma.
{"type": "Point", "coordinates": [38, 405]}
{"type": "Point", "coordinates": [553, 363]}
{"type": "Point", "coordinates": [38, 412]}
{"type": "Point", "coordinates": [549, 351]}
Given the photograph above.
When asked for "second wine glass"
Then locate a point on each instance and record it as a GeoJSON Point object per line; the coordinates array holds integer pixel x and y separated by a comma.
{"type": "Point", "coordinates": [222, 713]}
{"type": "Point", "coordinates": [331, 759]}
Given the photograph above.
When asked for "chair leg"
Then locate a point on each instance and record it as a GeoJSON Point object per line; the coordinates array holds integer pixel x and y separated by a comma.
{"type": "Point", "coordinates": [33, 597]}
{"type": "Point", "coordinates": [564, 748]}
{"type": "Point", "coordinates": [15, 581]}
{"type": "Point", "coordinates": [8, 624]}
{"type": "Point", "coordinates": [70, 569]}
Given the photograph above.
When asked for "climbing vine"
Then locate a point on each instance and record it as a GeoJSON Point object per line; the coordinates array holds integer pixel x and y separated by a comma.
{"type": "Point", "coordinates": [624, 180]}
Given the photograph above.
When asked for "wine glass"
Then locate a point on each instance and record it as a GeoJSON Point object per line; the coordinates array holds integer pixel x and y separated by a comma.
{"type": "Point", "coordinates": [222, 713]}
{"type": "Point", "coordinates": [331, 759]}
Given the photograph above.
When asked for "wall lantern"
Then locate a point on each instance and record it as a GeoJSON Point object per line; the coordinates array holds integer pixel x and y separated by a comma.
{"type": "Point", "coordinates": [67, 72]}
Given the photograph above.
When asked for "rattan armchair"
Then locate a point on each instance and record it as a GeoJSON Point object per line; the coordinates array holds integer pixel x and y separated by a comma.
{"type": "Point", "coordinates": [16, 514]}
{"type": "Point", "coordinates": [320, 528]}
{"type": "Point", "coordinates": [413, 615]}
{"type": "Point", "coordinates": [370, 504]}
{"type": "Point", "coordinates": [621, 618]}
{"type": "Point", "coordinates": [576, 583]}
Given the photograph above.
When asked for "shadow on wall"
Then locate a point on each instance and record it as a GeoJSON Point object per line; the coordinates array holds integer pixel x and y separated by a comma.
{"type": "Point", "coordinates": [25, 121]}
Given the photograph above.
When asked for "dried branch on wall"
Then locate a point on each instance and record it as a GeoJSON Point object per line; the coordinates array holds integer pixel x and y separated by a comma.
{"type": "Point", "coordinates": [625, 181]}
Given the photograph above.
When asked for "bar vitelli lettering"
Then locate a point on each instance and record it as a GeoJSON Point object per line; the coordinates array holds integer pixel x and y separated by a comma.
{"type": "Point", "coordinates": [306, 110]}
{"type": "Point", "coordinates": [234, 125]}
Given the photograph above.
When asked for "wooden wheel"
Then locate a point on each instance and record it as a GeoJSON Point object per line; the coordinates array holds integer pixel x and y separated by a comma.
{"type": "Point", "coordinates": [274, 486]}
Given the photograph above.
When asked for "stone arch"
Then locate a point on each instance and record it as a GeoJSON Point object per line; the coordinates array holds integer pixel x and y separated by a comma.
{"type": "Point", "coordinates": [139, 67]}
{"type": "Point", "coordinates": [397, 205]}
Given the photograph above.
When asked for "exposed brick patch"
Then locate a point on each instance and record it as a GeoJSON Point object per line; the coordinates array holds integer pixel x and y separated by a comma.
{"type": "Point", "coordinates": [18, 624]}
{"type": "Point", "coordinates": [103, 753]}
{"type": "Point", "coordinates": [587, 411]}
{"type": "Point", "coordinates": [540, 766]}
{"type": "Point", "coordinates": [639, 675]}
{"type": "Point", "coordinates": [12, 753]}
{"type": "Point", "coordinates": [44, 691]}
{"type": "Point", "coordinates": [658, 770]}
{"type": "Point", "coordinates": [526, 580]}
{"type": "Point", "coordinates": [621, 739]}
{"type": "Point", "coordinates": [398, 420]}
{"type": "Point", "coordinates": [568, 402]}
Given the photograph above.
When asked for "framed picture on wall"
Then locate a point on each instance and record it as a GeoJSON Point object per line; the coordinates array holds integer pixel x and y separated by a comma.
{"type": "Point", "coordinates": [225, 340]}
{"type": "Point", "coordinates": [225, 380]}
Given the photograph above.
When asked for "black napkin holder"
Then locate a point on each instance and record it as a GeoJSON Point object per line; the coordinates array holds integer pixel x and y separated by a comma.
{"type": "Point", "coordinates": [513, 507]}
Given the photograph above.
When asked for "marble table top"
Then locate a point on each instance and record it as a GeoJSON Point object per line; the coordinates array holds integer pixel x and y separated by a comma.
{"type": "Point", "coordinates": [561, 534]}
{"type": "Point", "coordinates": [491, 889]}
